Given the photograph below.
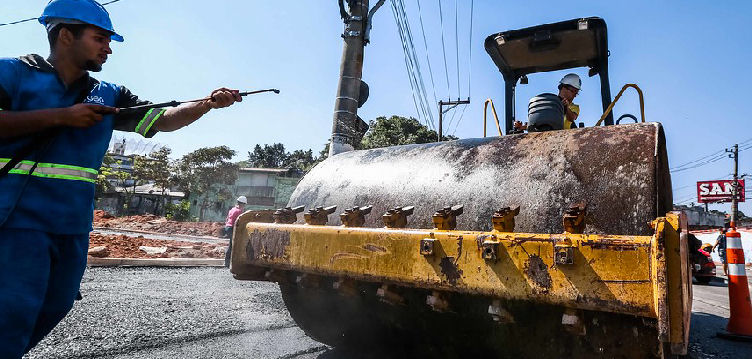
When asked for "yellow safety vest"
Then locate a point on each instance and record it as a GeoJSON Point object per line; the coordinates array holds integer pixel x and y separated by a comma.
{"type": "Point", "coordinates": [574, 108]}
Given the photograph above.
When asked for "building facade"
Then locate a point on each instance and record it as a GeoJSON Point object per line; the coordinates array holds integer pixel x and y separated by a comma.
{"type": "Point", "coordinates": [265, 188]}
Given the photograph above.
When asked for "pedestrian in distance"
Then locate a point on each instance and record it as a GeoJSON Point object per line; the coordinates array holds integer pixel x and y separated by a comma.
{"type": "Point", "coordinates": [56, 122]}
{"type": "Point", "coordinates": [232, 216]}
{"type": "Point", "coordinates": [720, 243]}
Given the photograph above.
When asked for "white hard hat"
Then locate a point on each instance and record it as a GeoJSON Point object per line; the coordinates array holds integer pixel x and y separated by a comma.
{"type": "Point", "coordinates": [243, 200]}
{"type": "Point", "coordinates": [571, 80]}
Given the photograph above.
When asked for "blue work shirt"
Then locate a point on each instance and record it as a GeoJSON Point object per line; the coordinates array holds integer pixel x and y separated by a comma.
{"type": "Point", "coordinates": [58, 195]}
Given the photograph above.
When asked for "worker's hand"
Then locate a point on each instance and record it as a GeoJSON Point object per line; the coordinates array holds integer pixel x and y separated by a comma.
{"type": "Point", "coordinates": [519, 126]}
{"type": "Point", "coordinates": [83, 115]}
{"type": "Point", "coordinates": [223, 97]}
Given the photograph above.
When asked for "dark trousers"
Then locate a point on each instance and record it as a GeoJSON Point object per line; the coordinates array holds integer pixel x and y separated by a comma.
{"type": "Point", "coordinates": [40, 275]}
{"type": "Point", "coordinates": [228, 234]}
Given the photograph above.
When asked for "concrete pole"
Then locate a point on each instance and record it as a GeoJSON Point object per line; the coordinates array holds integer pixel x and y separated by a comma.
{"type": "Point", "coordinates": [734, 153]}
{"type": "Point", "coordinates": [347, 130]}
{"type": "Point", "coordinates": [735, 188]}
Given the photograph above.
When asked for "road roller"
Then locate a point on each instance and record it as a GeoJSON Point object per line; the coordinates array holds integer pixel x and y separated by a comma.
{"type": "Point", "coordinates": [545, 244]}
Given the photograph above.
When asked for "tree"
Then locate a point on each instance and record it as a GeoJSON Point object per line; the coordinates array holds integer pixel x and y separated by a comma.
{"type": "Point", "coordinates": [198, 171]}
{"type": "Point", "coordinates": [154, 169]}
{"type": "Point", "coordinates": [103, 185]}
{"type": "Point", "coordinates": [300, 160]}
{"type": "Point", "coordinates": [112, 176]}
{"type": "Point", "coordinates": [397, 130]}
{"type": "Point", "coordinates": [273, 156]}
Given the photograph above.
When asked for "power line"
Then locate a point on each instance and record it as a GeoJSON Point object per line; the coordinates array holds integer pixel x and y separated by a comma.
{"type": "Point", "coordinates": [422, 87]}
{"type": "Point", "coordinates": [457, 44]}
{"type": "Point", "coordinates": [713, 157]}
{"type": "Point", "coordinates": [443, 50]}
{"type": "Point", "coordinates": [469, 68]}
{"type": "Point", "coordinates": [428, 60]}
{"type": "Point", "coordinates": [35, 18]}
{"type": "Point", "coordinates": [412, 65]}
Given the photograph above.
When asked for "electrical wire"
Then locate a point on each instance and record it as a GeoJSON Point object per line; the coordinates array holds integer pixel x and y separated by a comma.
{"type": "Point", "coordinates": [443, 50]}
{"type": "Point", "coordinates": [412, 65]}
{"type": "Point", "coordinates": [457, 44]}
{"type": "Point", "coordinates": [35, 18]}
{"type": "Point", "coordinates": [422, 87]}
{"type": "Point", "coordinates": [715, 156]}
{"type": "Point", "coordinates": [428, 60]}
{"type": "Point", "coordinates": [469, 68]}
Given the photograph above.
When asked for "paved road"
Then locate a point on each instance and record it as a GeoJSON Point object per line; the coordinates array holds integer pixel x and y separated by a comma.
{"type": "Point", "coordinates": [139, 313]}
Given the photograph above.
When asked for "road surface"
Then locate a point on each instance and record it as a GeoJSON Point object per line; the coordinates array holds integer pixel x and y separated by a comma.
{"type": "Point", "coordinates": [139, 313]}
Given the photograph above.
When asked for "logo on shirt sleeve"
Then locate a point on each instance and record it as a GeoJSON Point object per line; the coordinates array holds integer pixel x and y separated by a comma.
{"type": "Point", "coordinates": [98, 100]}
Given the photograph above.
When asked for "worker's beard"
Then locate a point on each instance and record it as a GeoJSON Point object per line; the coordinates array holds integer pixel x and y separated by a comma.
{"type": "Point", "coordinates": [93, 66]}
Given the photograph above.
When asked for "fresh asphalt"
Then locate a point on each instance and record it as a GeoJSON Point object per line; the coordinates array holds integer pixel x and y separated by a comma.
{"type": "Point", "coordinates": [139, 313]}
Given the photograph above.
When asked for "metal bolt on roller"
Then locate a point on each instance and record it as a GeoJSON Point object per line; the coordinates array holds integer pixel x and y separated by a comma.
{"type": "Point", "coordinates": [503, 219]}
{"type": "Point", "coordinates": [445, 219]}
{"type": "Point", "coordinates": [574, 218]}
{"type": "Point", "coordinates": [397, 217]}
{"type": "Point", "coordinates": [319, 216]}
{"type": "Point", "coordinates": [287, 215]}
{"type": "Point", "coordinates": [426, 246]}
{"type": "Point", "coordinates": [355, 217]}
{"type": "Point", "coordinates": [490, 250]}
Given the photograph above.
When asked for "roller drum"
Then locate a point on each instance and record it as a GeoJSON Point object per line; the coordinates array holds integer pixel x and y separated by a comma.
{"type": "Point", "coordinates": [620, 172]}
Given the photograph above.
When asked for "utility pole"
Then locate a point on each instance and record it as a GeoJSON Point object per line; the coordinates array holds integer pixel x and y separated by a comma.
{"type": "Point", "coordinates": [348, 129]}
{"type": "Point", "coordinates": [442, 111]}
{"type": "Point", "coordinates": [734, 153]}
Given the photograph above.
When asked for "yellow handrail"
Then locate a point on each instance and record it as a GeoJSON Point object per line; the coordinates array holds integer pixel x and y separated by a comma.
{"type": "Point", "coordinates": [485, 112]}
{"type": "Point", "coordinates": [611, 106]}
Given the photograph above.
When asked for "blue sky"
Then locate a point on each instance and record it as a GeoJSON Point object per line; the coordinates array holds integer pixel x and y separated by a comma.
{"type": "Point", "coordinates": [691, 58]}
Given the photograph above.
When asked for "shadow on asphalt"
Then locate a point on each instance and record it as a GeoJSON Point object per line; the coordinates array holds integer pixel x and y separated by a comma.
{"type": "Point", "coordinates": [704, 343]}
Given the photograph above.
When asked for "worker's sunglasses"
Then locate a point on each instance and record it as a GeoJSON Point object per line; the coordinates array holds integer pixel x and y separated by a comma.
{"type": "Point", "coordinates": [573, 89]}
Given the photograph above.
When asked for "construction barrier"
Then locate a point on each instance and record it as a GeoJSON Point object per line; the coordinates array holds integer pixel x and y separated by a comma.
{"type": "Point", "coordinates": [740, 319]}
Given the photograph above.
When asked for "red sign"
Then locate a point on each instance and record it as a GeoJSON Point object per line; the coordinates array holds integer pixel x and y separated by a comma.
{"type": "Point", "coordinates": [719, 191]}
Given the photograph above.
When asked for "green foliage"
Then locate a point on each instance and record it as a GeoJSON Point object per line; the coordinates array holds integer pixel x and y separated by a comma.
{"type": "Point", "coordinates": [269, 156]}
{"type": "Point", "coordinates": [105, 171]}
{"type": "Point", "coordinates": [154, 168]}
{"type": "Point", "coordinates": [179, 212]}
{"type": "Point", "coordinates": [198, 172]}
{"type": "Point", "coordinates": [275, 156]}
{"type": "Point", "coordinates": [398, 130]}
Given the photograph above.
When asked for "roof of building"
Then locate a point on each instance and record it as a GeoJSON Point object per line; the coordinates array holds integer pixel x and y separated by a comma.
{"type": "Point", "coordinates": [267, 170]}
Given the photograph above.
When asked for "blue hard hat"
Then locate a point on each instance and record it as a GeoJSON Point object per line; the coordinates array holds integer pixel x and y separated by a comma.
{"type": "Point", "coordinates": [85, 11]}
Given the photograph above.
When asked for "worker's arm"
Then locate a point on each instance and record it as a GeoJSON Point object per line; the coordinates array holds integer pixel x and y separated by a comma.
{"type": "Point", "coordinates": [571, 115]}
{"type": "Point", "coordinates": [148, 122]}
{"type": "Point", "coordinates": [185, 114]}
{"type": "Point", "coordinates": [19, 123]}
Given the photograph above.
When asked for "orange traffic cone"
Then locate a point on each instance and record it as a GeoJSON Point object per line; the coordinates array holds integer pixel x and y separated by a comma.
{"type": "Point", "coordinates": [740, 321]}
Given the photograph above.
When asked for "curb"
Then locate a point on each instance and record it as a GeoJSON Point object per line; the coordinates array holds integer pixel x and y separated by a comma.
{"type": "Point", "coordinates": [176, 236]}
{"type": "Point", "coordinates": [154, 262]}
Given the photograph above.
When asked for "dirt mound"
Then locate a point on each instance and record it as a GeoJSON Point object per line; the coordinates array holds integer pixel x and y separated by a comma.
{"type": "Point", "coordinates": [122, 246]}
{"type": "Point", "coordinates": [152, 223]}
{"type": "Point", "coordinates": [100, 215]}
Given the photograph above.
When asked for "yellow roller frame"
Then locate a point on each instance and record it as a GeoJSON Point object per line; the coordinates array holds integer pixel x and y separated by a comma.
{"type": "Point", "coordinates": [637, 275]}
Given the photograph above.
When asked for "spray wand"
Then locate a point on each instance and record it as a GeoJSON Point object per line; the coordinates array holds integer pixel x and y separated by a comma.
{"type": "Point", "coordinates": [126, 110]}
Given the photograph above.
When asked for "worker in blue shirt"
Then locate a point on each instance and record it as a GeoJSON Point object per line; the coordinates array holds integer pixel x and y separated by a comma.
{"type": "Point", "coordinates": [55, 126]}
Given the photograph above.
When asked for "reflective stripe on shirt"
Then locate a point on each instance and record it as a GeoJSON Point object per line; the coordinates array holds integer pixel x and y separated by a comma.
{"type": "Point", "coordinates": [53, 170]}
{"type": "Point", "coordinates": [148, 120]}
